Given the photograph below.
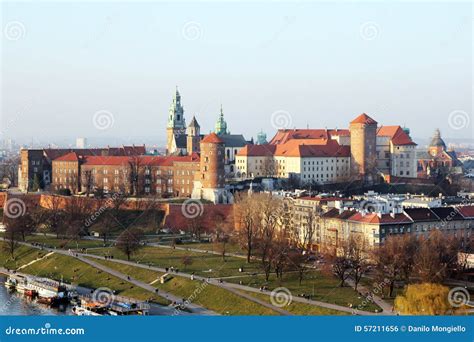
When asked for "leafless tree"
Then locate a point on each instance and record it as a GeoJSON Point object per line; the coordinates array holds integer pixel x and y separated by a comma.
{"type": "Point", "coordinates": [247, 220]}
{"type": "Point", "coordinates": [129, 241]}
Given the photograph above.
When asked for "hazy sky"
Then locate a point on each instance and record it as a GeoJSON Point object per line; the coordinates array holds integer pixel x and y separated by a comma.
{"type": "Point", "coordinates": [269, 64]}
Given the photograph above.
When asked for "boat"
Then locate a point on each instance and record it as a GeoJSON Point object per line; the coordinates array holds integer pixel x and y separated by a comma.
{"type": "Point", "coordinates": [120, 306]}
{"type": "Point", "coordinates": [47, 291]}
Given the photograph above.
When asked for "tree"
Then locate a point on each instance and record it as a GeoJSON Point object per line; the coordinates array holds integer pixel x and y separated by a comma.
{"type": "Point", "coordinates": [135, 176]}
{"type": "Point", "coordinates": [186, 261]}
{"type": "Point", "coordinates": [35, 186]}
{"type": "Point", "coordinates": [129, 241]}
{"type": "Point", "coordinates": [222, 235]}
{"type": "Point", "coordinates": [246, 219]}
{"type": "Point", "coordinates": [394, 259]}
{"type": "Point", "coordinates": [110, 216]}
{"type": "Point", "coordinates": [358, 258]}
{"type": "Point", "coordinates": [424, 299]}
{"type": "Point", "coordinates": [436, 257]}
{"type": "Point", "coordinates": [87, 182]}
{"type": "Point", "coordinates": [339, 263]}
{"type": "Point", "coordinates": [12, 236]}
{"type": "Point", "coordinates": [9, 170]}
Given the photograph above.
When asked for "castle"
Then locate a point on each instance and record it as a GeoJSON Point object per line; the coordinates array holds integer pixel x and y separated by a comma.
{"type": "Point", "coordinates": [366, 152]}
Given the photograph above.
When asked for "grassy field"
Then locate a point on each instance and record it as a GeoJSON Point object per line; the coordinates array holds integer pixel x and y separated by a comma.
{"type": "Point", "coordinates": [318, 286]}
{"type": "Point", "coordinates": [209, 296]}
{"type": "Point", "coordinates": [300, 309]}
{"type": "Point", "coordinates": [208, 265]}
{"type": "Point", "coordinates": [230, 248]}
{"type": "Point", "coordinates": [22, 255]}
{"type": "Point", "coordinates": [52, 242]}
{"type": "Point", "coordinates": [76, 272]}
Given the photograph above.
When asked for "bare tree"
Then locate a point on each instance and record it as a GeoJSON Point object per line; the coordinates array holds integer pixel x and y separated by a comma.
{"type": "Point", "coordinates": [129, 241]}
{"type": "Point", "coordinates": [246, 219]}
{"type": "Point", "coordinates": [9, 170]}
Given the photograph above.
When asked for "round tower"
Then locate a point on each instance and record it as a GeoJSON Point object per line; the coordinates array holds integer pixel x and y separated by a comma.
{"type": "Point", "coordinates": [212, 162]}
{"type": "Point", "coordinates": [363, 131]}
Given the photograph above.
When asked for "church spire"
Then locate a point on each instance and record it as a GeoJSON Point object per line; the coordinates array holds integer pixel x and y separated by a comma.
{"type": "Point", "coordinates": [221, 125]}
{"type": "Point", "coordinates": [176, 112]}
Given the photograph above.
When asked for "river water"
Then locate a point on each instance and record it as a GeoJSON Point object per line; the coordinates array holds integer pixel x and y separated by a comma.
{"type": "Point", "coordinates": [12, 303]}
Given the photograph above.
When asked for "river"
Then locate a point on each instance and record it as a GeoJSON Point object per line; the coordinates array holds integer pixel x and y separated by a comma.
{"type": "Point", "coordinates": [13, 303]}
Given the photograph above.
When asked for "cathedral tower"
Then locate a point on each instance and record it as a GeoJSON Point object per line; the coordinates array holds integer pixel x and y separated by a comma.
{"type": "Point", "coordinates": [221, 125]}
{"type": "Point", "coordinates": [176, 122]}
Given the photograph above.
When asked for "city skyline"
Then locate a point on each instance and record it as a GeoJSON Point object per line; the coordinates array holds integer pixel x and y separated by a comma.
{"type": "Point", "coordinates": [286, 59]}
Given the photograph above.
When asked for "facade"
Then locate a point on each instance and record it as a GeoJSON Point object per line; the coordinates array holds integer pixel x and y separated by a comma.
{"type": "Point", "coordinates": [170, 176]}
{"type": "Point", "coordinates": [321, 156]}
{"type": "Point", "coordinates": [36, 164]}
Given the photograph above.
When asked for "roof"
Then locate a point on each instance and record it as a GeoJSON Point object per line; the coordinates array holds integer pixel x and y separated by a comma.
{"type": "Point", "coordinates": [397, 135]}
{"type": "Point", "coordinates": [233, 140]}
{"type": "Point", "coordinates": [374, 218]}
{"type": "Point", "coordinates": [466, 211]}
{"type": "Point", "coordinates": [294, 148]}
{"type": "Point", "coordinates": [141, 160]}
{"type": "Point", "coordinates": [421, 214]}
{"type": "Point", "coordinates": [70, 157]}
{"type": "Point", "coordinates": [212, 138]}
{"type": "Point", "coordinates": [54, 153]}
{"type": "Point", "coordinates": [447, 213]}
{"type": "Point", "coordinates": [285, 135]}
{"type": "Point", "coordinates": [364, 119]}
{"type": "Point", "coordinates": [194, 123]}
{"type": "Point", "coordinates": [264, 150]}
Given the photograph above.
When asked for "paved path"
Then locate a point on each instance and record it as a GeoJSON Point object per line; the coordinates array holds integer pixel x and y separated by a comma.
{"type": "Point", "coordinates": [386, 307]}
{"type": "Point", "coordinates": [229, 286]}
{"type": "Point", "coordinates": [195, 309]}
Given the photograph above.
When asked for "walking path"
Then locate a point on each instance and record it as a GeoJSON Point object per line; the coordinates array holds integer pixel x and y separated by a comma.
{"type": "Point", "coordinates": [387, 308]}
{"type": "Point", "coordinates": [36, 260]}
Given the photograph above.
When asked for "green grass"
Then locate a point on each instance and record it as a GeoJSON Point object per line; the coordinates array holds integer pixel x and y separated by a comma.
{"type": "Point", "coordinates": [202, 262]}
{"type": "Point", "coordinates": [300, 309]}
{"type": "Point", "coordinates": [317, 285]}
{"type": "Point", "coordinates": [22, 255]}
{"type": "Point", "coordinates": [59, 266]}
{"type": "Point", "coordinates": [209, 296]}
{"type": "Point", "coordinates": [52, 242]}
{"type": "Point", "coordinates": [230, 248]}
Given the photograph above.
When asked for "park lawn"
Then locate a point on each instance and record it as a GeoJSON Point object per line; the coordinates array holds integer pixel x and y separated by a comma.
{"type": "Point", "coordinates": [204, 264]}
{"type": "Point", "coordinates": [22, 255]}
{"type": "Point", "coordinates": [372, 286]}
{"type": "Point", "coordinates": [300, 309]}
{"type": "Point", "coordinates": [63, 243]}
{"type": "Point", "coordinates": [230, 248]}
{"type": "Point", "coordinates": [317, 285]}
{"type": "Point", "coordinates": [76, 272]}
{"type": "Point", "coordinates": [206, 295]}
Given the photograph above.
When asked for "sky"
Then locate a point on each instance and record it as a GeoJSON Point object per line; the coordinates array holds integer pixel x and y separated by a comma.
{"type": "Point", "coordinates": [109, 69]}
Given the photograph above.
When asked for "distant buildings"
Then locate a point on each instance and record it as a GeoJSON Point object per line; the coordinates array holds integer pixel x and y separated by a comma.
{"type": "Point", "coordinates": [438, 160]}
{"type": "Point", "coordinates": [81, 142]}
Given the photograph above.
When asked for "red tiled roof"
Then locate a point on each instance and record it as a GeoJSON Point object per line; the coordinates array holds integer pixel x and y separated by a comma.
{"type": "Point", "coordinates": [294, 148]}
{"type": "Point", "coordinates": [72, 156]}
{"type": "Point", "coordinates": [142, 160]}
{"type": "Point", "coordinates": [264, 150]}
{"type": "Point", "coordinates": [364, 119]}
{"type": "Point", "coordinates": [285, 135]}
{"type": "Point", "coordinates": [382, 219]}
{"type": "Point", "coordinates": [466, 211]}
{"type": "Point", "coordinates": [396, 134]}
{"type": "Point", "coordinates": [212, 138]}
